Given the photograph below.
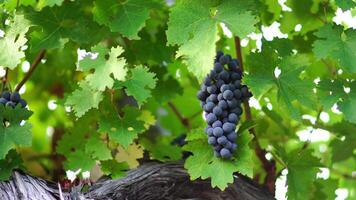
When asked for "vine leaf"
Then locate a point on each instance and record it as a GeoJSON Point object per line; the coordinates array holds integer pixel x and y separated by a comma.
{"type": "Point", "coordinates": [193, 24]}
{"type": "Point", "coordinates": [140, 84]}
{"type": "Point", "coordinates": [290, 86]}
{"type": "Point", "coordinates": [12, 131]}
{"type": "Point", "coordinates": [345, 4]}
{"type": "Point", "coordinates": [127, 17]}
{"type": "Point", "coordinates": [302, 169]}
{"type": "Point", "coordinates": [79, 159]}
{"type": "Point", "coordinates": [83, 99]}
{"type": "Point", "coordinates": [13, 41]}
{"type": "Point", "coordinates": [205, 165]}
{"type": "Point", "coordinates": [123, 130]}
{"type": "Point", "coordinates": [114, 169]}
{"type": "Point", "coordinates": [104, 68]}
{"type": "Point", "coordinates": [338, 44]}
{"type": "Point", "coordinates": [97, 148]}
{"type": "Point", "coordinates": [331, 92]}
{"type": "Point", "coordinates": [13, 160]}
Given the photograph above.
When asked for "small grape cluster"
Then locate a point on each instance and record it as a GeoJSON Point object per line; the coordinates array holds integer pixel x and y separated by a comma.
{"type": "Point", "coordinates": [221, 95]}
{"type": "Point", "coordinates": [12, 99]}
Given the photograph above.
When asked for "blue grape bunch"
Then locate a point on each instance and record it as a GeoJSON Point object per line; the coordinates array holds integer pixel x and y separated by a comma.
{"type": "Point", "coordinates": [221, 95]}
{"type": "Point", "coordinates": [12, 99]}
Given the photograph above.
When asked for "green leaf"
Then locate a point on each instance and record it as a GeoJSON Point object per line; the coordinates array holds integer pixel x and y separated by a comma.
{"type": "Point", "coordinates": [79, 159]}
{"type": "Point", "coordinates": [59, 24]}
{"type": "Point", "coordinates": [203, 164]}
{"type": "Point", "coordinates": [325, 189]}
{"type": "Point", "coordinates": [97, 148]}
{"type": "Point", "coordinates": [114, 169]}
{"type": "Point", "coordinates": [123, 130]}
{"type": "Point", "coordinates": [140, 84]}
{"type": "Point", "coordinates": [161, 149]}
{"type": "Point", "coordinates": [345, 4]}
{"type": "Point", "coordinates": [289, 85]}
{"type": "Point", "coordinates": [331, 92]}
{"type": "Point", "coordinates": [126, 17]}
{"type": "Point", "coordinates": [83, 99]}
{"type": "Point", "coordinates": [337, 44]}
{"type": "Point", "coordinates": [193, 25]}
{"type": "Point", "coordinates": [302, 169]}
{"type": "Point", "coordinates": [343, 149]}
{"type": "Point", "coordinates": [12, 161]}
{"type": "Point", "coordinates": [12, 132]}
{"type": "Point", "coordinates": [104, 67]}
{"type": "Point", "coordinates": [14, 39]}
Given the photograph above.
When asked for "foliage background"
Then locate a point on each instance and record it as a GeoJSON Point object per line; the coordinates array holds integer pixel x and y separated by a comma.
{"type": "Point", "coordinates": [119, 80]}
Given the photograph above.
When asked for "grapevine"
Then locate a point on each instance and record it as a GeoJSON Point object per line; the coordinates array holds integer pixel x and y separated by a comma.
{"type": "Point", "coordinates": [221, 95]}
{"type": "Point", "coordinates": [12, 99]}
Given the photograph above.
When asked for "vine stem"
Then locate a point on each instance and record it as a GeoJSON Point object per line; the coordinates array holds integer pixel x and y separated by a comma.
{"type": "Point", "coordinates": [34, 65]}
{"type": "Point", "coordinates": [268, 165]}
{"type": "Point", "coordinates": [184, 121]}
{"type": "Point", "coordinates": [4, 79]}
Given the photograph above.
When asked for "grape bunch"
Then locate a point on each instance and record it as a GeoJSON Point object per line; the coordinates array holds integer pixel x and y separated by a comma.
{"type": "Point", "coordinates": [12, 99]}
{"type": "Point", "coordinates": [221, 95]}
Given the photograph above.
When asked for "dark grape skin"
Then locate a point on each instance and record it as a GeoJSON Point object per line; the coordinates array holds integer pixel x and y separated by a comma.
{"type": "Point", "coordinates": [212, 98]}
{"type": "Point", "coordinates": [217, 111]}
{"type": "Point", "coordinates": [201, 96]}
{"type": "Point", "coordinates": [218, 131]}
{"type": "Point", "coordinates": [211, 118]}
{"type": "Point", "coordinates": [237, 94]}
{"type": "Point", "coordinates": [217, 123]}
{"type": "Point", "coordinates": [209, 131]}
{"type": "Point", "coordinates": [237, 111]}
{"type": "Point", "coordinates": [222, 140]}
{"type": "Point", "coordinates": [6, 95]}
{"type": "Point", "coordinates": [220, 97]}
{"type": "Point", "coordinates": [15, 97]}
{"type": "Point", "coordinates": [222, 104]}
{"type": "Point", "coordinates": [3, 101]}
{"type": "Point", "coordinates": [212, 140]}
{"type": "Point", "coordinates": [212, 89]}
{"type": "Point", "coordinates": [232, 103]}
{"type": "Point", "coordinates": [224, 75]}
{"type": "Point", "coordinates": [209, 107]}
{"type": "Point", "coordinates": [225, 153]}
{"type": "Point", "coordinates": [228, 95]}
{"type": "Point", "coordinates": [224, 87]}
{"type": "Point", "coordinates": [218, 67]}
{"type": "Point", "coordinates": [228, 127]}
{"type": "Point", "coordinates": [232, 136]}
{"type": "Point", "coordinates": [224, 59]}
{"type": "Point", "coordinates": [233, 118]}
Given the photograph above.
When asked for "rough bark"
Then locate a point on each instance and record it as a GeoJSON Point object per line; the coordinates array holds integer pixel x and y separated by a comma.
{"type": "Point", "coordinates": [151, 181]}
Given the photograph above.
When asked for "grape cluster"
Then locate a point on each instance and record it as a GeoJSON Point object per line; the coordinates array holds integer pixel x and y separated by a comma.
{"type": "Point", "coordinates": [221, 95]}
{"type": "Point", "coordinates": [12, 99]}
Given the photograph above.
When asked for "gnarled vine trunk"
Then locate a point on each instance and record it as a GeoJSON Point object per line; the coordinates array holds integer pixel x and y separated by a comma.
{"type": "Point", "coordinates": [151, 181]}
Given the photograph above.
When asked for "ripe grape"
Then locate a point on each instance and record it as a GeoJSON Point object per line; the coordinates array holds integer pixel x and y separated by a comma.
{"type": "Point", "coordinates": [221, 95]}
{"type": "Point", "coordinates": [12, 99]}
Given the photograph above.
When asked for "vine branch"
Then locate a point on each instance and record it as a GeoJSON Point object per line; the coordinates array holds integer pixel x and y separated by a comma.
{"type": "Point", "coordinates": [269, 166]}
{"type": "Point", "coordinates": [34, 65]}
{"type": "Point", "coordinates": [185, 121]}
{"type": "Point", "coordinates": [4, 79]}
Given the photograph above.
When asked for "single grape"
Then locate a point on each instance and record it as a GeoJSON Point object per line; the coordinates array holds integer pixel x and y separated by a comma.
{"type": "Point", "coordinates": [217, 123]}
{"type": "Point", "coordinates": [232, 103]}
{"type": "Point", "coordinates": [6, 95]}
{"type": "Point", "coordinates": [208, 81]}
{"type": "Point", "coordinates": [232, 136]}
{"type": "Point", "coordinates": [218, 147]}
{"type": "Point", "coordinates": [219, 83]}
{"type": "Point", "coordinates": [228, 127]}
{"type": "Point", "coordinates": [220, 97]}
{"type": "Point", "coordinates": [232, 87]}
{"type": "Point", "coordinates": [217, 111]}
{"type": "Point", "coordinates": [218, 131]}
{"type": "Point", "coordinates": [237, 84]}
{"type": "Point", "coordinates": [228, 95]}
{"type": "Point", "coordinates": [237, 111]}
{"type": "Point", "coordinates": [236, 62]}
{"type": "Point", "coordinates": [222, 140]}
{"type": "Point", "coordinates": [224, 59]}
{"type": "Point", "coordinates": [203, 88]}
{"type": "Point", "coordinates": [233, 118]}
{"type": "Point", "coordinates": [218, 55]}
{"type": "Point", "coordinates": [225, 120]}
{"type": "Point", "coordinates": [3, 101]}
{"type": "Point", "coordinates": [11, 104]}
{"type": "Point", "coordinates": [201, 96]}
{"type": "Point", "coordinates": [211, 118]}
{"type": "Point", "coordinates": [213, 98]}
{"type": "Point", "coordinates": [224, 87]}
{"type": "Point", "coordinates": [224, 75]}
{"type": "Point", "coordinates": [209, 106]}
{"type": "Point", "coordinates": [234, 147]}
{"type": "Point", "coordinates": [228, 145]}
{"type": "Point", "coordinates": [225, 153]}
{"type": "Point", "coordinates": [209, 131]}
{"type": "Point", "coordinates": [222, 104]}
{"type": "Point", "coordinates": [212, 140]}
{"type": "Point", "coordinates": [212, 89]}
{"type": "Point", "coordinates": [235, 76]}
{"type": "Point", "coordinates": [237, 94]}
{"type": "Point", "coordinates": [218, 67]}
